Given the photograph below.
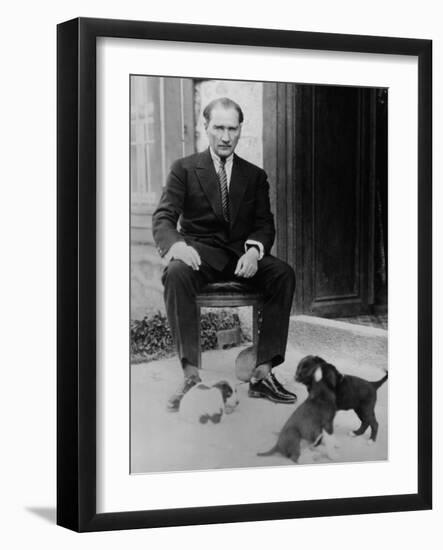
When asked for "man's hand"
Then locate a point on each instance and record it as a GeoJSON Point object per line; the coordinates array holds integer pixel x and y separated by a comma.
{"type": "Point", "coordinates": [187, 254]}
{"type": "Point", "coordinates": [247, 265]}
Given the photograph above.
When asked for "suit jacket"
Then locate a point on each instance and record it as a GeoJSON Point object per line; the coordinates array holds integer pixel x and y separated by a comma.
{"type": "Point", "coordinates": [190, 209]}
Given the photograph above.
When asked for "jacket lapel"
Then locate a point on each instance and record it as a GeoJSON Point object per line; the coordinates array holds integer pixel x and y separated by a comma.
{"type": "Point", "coordinates": [209, 182]}
{"type": "Point", "coordinates": [237, 188]}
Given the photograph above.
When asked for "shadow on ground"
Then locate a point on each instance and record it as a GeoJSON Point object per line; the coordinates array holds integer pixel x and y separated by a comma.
{"type": "Point", "coordinates": [48, 514]}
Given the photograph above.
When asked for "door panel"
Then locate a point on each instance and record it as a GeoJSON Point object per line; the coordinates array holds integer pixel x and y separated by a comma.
{"type": "Point", "coordinates": [339, 194]}
{"type": "Point", "coordinates": [328, 183]}
{"type": "Point", "coordinates": [335, 195]}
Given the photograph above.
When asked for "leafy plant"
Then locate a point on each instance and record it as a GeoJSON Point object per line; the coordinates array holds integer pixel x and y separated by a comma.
{"type": "Point", "coordinates": [151, 337]}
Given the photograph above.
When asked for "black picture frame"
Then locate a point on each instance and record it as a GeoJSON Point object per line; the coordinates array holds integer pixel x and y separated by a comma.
{"type": "Point", "coordinates": [76, 265]}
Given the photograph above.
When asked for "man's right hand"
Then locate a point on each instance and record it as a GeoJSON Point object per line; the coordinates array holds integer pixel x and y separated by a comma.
{"type": "Point", "coordinates": [187, 254]}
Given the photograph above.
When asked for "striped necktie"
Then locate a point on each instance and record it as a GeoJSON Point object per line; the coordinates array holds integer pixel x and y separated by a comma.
{"type": "Point", "coordinates": [223, 179]}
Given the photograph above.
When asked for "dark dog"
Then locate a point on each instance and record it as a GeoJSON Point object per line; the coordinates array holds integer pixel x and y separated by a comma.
{"type": "Point", "coordinates": [312, 421]}
{"type": "Point", "coordinates": [352, 392]}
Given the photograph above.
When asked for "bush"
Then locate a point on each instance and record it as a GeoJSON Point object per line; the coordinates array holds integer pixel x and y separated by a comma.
{"type": "Point", "coordinates": [151, 337]}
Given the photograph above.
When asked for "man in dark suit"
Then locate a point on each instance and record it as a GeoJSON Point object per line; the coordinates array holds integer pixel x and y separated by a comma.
{"type": "Point", "coordinates": [214, 223]}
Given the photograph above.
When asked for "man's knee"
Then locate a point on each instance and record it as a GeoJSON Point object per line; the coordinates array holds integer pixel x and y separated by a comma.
{"type": "Point", "coordinates": [284, 272]}
{"type": "Point", "coordinates": [288, 274]}
{"type": "Point", "coordinates": [177, 273]}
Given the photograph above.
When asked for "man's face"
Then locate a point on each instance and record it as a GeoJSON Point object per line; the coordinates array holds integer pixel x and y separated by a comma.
{"type": "Point", "coordinates": [223, 130]}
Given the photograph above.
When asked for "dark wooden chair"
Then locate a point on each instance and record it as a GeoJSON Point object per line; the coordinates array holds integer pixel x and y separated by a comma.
{"type": "Point", "coordinates": [230, 294]}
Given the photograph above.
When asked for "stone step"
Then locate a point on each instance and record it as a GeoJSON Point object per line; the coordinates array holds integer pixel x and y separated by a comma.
{"type": "Point", "coordinates": [358, 344]}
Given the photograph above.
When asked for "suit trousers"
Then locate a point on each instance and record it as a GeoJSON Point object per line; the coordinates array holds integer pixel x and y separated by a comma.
{"type": "Point", "coordinates": [274, 278]}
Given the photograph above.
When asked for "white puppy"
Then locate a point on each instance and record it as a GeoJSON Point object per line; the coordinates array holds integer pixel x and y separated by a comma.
{"type": "Point", "coordinates": [203, 403]}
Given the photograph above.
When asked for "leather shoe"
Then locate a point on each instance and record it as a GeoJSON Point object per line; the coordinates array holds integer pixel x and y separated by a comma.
{"type": "Point", "coordinates": [281, 388]}
{"type": "Point", "coordinates": [270, 388]}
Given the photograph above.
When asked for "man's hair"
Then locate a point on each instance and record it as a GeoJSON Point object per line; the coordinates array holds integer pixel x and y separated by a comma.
{"type": "Point", "coordinates": [224, 102]}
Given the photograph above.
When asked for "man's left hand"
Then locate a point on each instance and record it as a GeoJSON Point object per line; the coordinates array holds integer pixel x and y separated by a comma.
{"type": "Point", "coordinates": [247, 265]}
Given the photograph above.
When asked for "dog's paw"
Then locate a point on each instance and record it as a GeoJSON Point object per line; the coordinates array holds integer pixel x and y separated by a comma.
{"type": "Point", "coordinates": [351, 433]}
{"type": "Point", "coordinates": [370, 442]}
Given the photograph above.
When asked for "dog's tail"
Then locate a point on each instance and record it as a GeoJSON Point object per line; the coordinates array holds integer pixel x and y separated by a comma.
{"type": "Point", "coordinates": [377, 384]}
{"type": "Point", "coordinates": [270, 452]}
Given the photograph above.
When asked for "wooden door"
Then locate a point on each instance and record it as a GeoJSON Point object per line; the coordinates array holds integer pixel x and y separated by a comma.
{"type": "Point", "coordinates": [325, 195]}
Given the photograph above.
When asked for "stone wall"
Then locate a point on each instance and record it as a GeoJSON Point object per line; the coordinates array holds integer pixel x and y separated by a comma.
{"type": "Point", "coordinates": [146, 287]}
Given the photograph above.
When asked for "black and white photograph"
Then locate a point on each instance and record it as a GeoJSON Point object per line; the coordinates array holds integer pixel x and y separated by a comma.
{"type": "Point", "coordinates": [258, 274]}
{"type": "Point", "coordinates": [221, 297]}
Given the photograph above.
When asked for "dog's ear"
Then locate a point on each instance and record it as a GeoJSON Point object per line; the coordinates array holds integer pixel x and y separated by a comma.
{"type": "Point", "coordinates": [306, 368]}
{"type": "Point", "coordinates": [225, 388]}
{"type": "Point", "coordinates": [330, 375]}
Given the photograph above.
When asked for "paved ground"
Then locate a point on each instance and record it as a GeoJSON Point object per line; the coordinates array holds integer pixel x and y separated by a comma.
{"type": "Point", "coordinates": [161, 441]}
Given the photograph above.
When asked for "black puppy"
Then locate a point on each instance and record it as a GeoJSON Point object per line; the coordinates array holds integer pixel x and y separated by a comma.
{"type": "Point", "coordinates": [312, 421]}
{"type": "Point", "coordinates": [352, 392]}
